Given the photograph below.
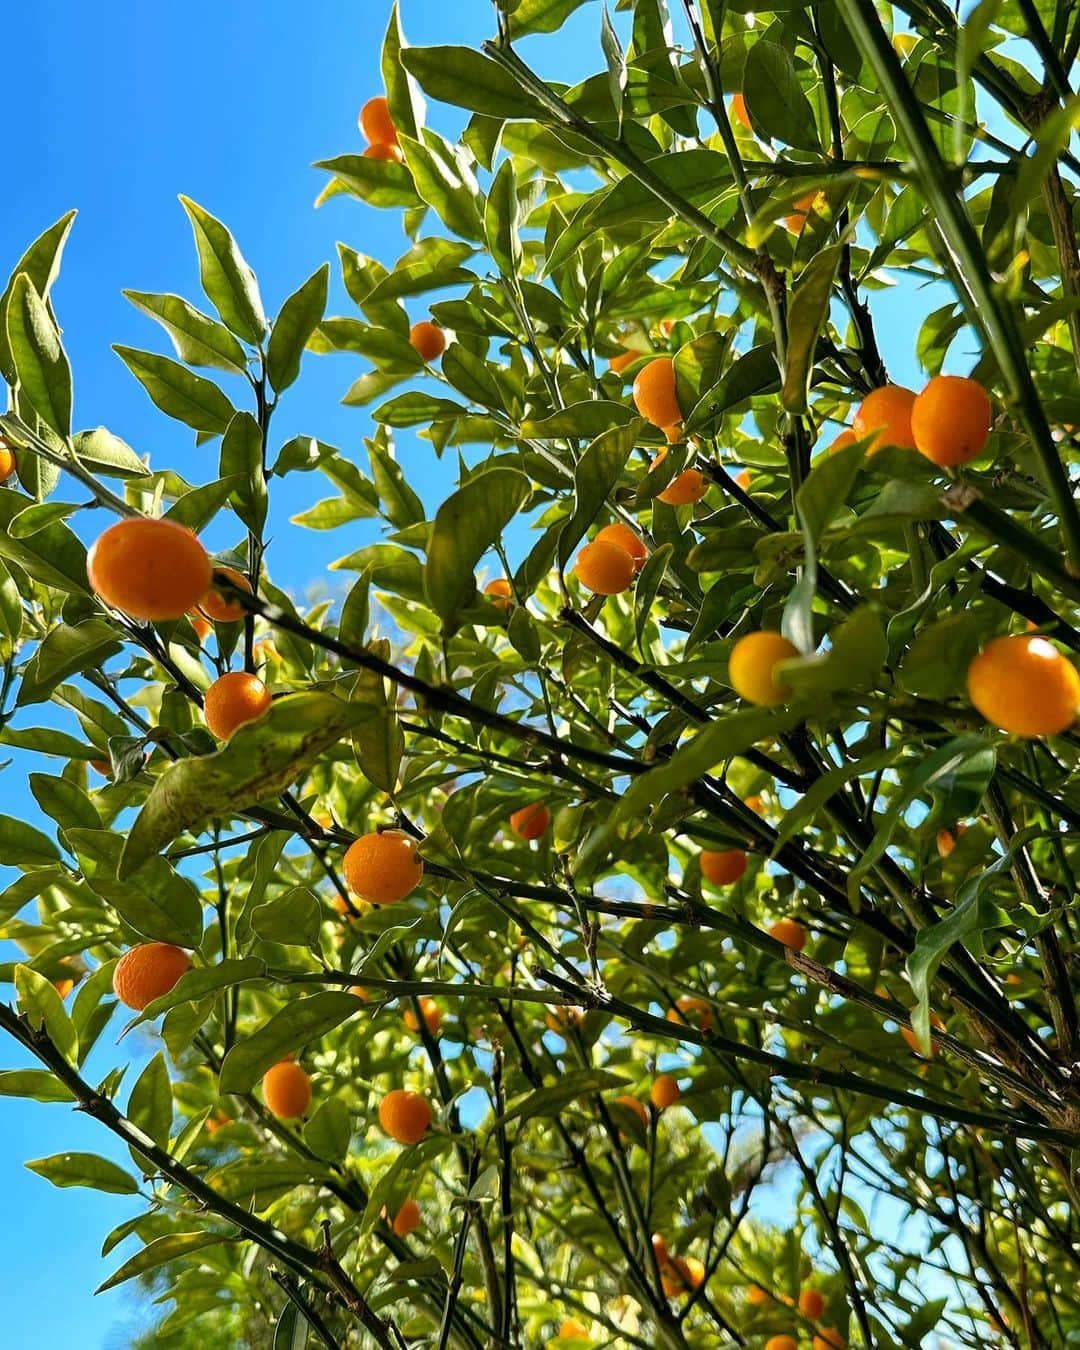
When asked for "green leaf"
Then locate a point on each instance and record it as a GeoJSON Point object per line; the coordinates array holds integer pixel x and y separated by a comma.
{"type": "Point", "coordinates": [227, 279]}
{"type": "Point", "coordinates": [540, 16]}
{"type": "Point", "coordinates": [40, 363]}
{"type": "Point", "coordinates": [916, 1331]}
{"type": "Point", "coordinates": [595, 476]}
{"type": "Point", "coordinates": [301, 1021]}
{"type": "Point", "coordinates": [406, 106]}
{"type": "Point", "coordinates": [379, 182]}
{"type": "Point", "coordinates": [648, 584]}
{"type": "Point", "coordinates": [260, 761]}
{"type": "Point", "coordinates": [400, 503]}
{"type": "Point", "coordinates": [189, 398]}
{"type": "Point", "coordinates": [806, 318]}
{"type": "Point", "coordinates": [41, 263]}
{"type": "Point", "coordinates": [938, 765]}
{"type": "Point", "coordinates": [429, 265]}
{"type": "Point", "coordinates": [293, 919]}
{"type": "Point", "coordinates": [291, 1330]}
{"type": "Point", "coordinates": [150, 1106]}
{"type": "Point", "coordinates": [160, 904]}
{"type": "Point", "coordinates": [107, 454]}
{"type": "Point", "coordinates": [329, 1131]}
{"type": "Point", "coordinates": [466, 525]}
{"type": "Point", "coordinates": [54, 556]}
{"type": "Point", "coordinates": [825, 787]}
{"type": "Point", "coordinates": [590, 418]}
{"type": "Point", "coordinates": [64, 801]}
{"type": "Point", "coordinates": [36, 517]}
{"type": "Point", "coordinates": [66, 651]}
{"type": "Point", "coordinates": [775, 98]}
{"type": "Point", "coordinates": [199, 340]}
{"type": "Point", "coordinates": [171, 1247]}
{"type": "Point", "coordinates": [37, 1084]}
{"type": "Point", "coordinates": [242, 459]}
{"type": "Point", "coordinates": [443, 178]}
{"type": "Point", "coordinates": [43, 1007]}
{"type": "Point", "coordinates": [410, 410]}
{"type": "Point", "coordinates": [937, 661]}
{"type": "Point", "coordinates": [21, 845]}
{"type": "Point", "coordinates": [377, 738]}
{"type": "Point", "coordinates": [466, 79]}
{"type": "Point", "coordinates": [551, 1101]}
{"type": "Point", "coordinates": [300, 315]}
{"type": "Point", "coordinates": [616, 62]}
{"type": "Point", "coordinates": [752, 374]}
{"type": "Point", "coordinates": [501, 221]}
{"type": "Point", "coordinates": [85, 1169]}
{"type": "Point", "coordinates": [201, 981]}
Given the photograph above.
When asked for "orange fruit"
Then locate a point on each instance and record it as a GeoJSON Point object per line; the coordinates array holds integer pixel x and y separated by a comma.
{"type": "Point", "coordinates": [638, 1108]}
{"type": "Point", "coordinates": [946, 840]}
{"type": "Point", "coordinates": [722, 867]}
{"type": "Point", "coordinates": [691, 1269]}
{"type": "Point", "coordinates": [738, 111]}
{"type": "Point", "coordinates": [654, 393]}
{"type": "Point", "coordinates": [950, 420]}
{"type": "Point", "coordinates": [149, 569]}
{"type": "Point", "coordinates": [384, 150]}
{"type": "Point", "coordinates": [605, 568]}
{"type": "Point", "coordinates": [781, 1343]}
{"type": "Point", "coordinates": [801, 210]}
{"type": "Point", "coordinates": [428, 339]}
{"type": "Point", "coordinates": [214, 604]}
{"type": "Point", "coordinates": [147, 972]}
{"type": "Point", "coordinates": [756, 1296]}
{"type": "Point", "coordinates": [501, 592]}
{"type": "Point", "coordinates": [790, 933]}
{"type": "Point", "coordinates": [756, 803]}
{"type": "Point", "coordinates": [1025, 686]}
{"type": "Point", "coordinates": [233, 700]}
{"type": "Point", "coordinates": [63, 987]}
{"type": "Point", "coordinates": [664, 1092]}
{"type": "Point", "coordinates": [383, 868]}
{"type": "Point", "coordinates": [102, 766]}
{"type": "Point", "coordinates": [216, 1122]}
{"type": "Point", "coordinates": [811, 1303]}
{"type": "Point", "coordinates": [685, 488]}
{"type": "Point", "coordinates": [431, 1014]}
{"type": "Point", "coordinates": [530, 822]}
{"type": "Point", "coordinates": [286, 1090]}
{"type": "Point", "coordinates": [913, 1040]}
{"type": "Point", "coordinates": [404, 1116]}
{"type": "Point", "coordinates": [561, 1019]}
{"type": "Point", "coordinates": [828, 1338]}
{"type": "Point", "coordinates": [358, 991]}
{"type": "Point", "coordinates": [376, 123]}
{"type": "Point", "coordinates": [7, 460]}
{"type": "Point", "coordinates": [742, 479]}
{"type": "Point", "coordinates": [622, 535]}
{"type": "Point", "coordinates": [619, 363]}
{"type": "Point", "coordinates": [573, 1330]}
{"type": "Point", "coordinates": [752, 662]}
{"type": "Point", "coordinates": [407, 1219]}
{"type": "Point", "coordinates": [886, 412]}
{"type": "Point", "coordinates": [701, 1011]}
{"type": "Point", "coordinates": [203, 627]}
{"type": "Point", "coordinates": [847, 437]}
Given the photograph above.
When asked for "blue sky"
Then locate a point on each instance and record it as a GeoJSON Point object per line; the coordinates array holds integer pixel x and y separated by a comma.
{"type": "Point", "coordinates": [120, 107]}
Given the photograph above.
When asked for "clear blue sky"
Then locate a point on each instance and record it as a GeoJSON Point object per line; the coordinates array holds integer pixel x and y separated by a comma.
{"type": "Point", "coordinates": [115, 108]}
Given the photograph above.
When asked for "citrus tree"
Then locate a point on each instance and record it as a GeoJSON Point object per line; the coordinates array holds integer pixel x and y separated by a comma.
{"type": "Point", "coordinates": [637, 909]}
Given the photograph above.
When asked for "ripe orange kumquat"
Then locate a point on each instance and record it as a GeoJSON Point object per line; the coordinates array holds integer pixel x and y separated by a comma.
{"type": "Point", "coordinates": [811, 1303]}
{"type": "Point", "coordinates": [407, 1219]}
{"type": "Point", "coordinates": [753, 660]}
{"type": "Point", "coordinates": [756, 1296]}
{"type": "Point", "coordinates": [638, 1108]}
{"type": "Point", "coordinates": [233, 701]}
{"type": "Point", "coordinates": [722, 867]}
{"type": "Point", "coordinates": [428, 339]}
{"type": "Point", "coordinates": [619, 363]}
{"type": "Point", "coordinates": [885, 413]}
{"type": "Point", "coordinates": [685, 488]}
{"type": "Point", "coordinates": [801, 211]}
{"type": "Point", "coordinates": [431, 1014]}
{"type": "Point", "coordinates": [404, 1116]}
{"type": "Point", "coordinates": [214, 605]}
{"type": "Point", "coordinates": [573, 1330]}
{"type": "Point", "coordinates": [1025, 686]}
{"type": "Point", "coordinates": [742, 479]}
{"type": "Point", "coordinates": [951, 419]}
{"type": "Point", "coordinates": [691, 1011]}
{"type": "Point", "coordinates": [790, 933]}
{"type": "Point", "coordinates": [739, 112]}
{"type": "Point", "coordinates": [654, 393]}
{"type": "Point", "coordinates": [621, 534]}
{"type": "Point", "coordinates": [376, 123]}
{"type": "Point", "coordinates": [7, 460]}
{"type": "Point", "coordinates": [847, 437]}
{"type": "Point", "coordinates": [500, 592]}
{"type": "Point", "coordinates": [530, 822]}
{"type": "Point", "coordinates": [203, 627]}
{"type": "Point", "coordinates": [150, 569]}
{"type": "Point", "coordinates": [913, 1040]}
{"type": "Point", "coordinates": [286, 1090]}
{"type": "Point", "coordinates": [946, 840]}
{"type": "Point", "coordinates": [385, 150]}
{"type": "Point", "coordinates": [147, 972]}
{"type": "Point", "coordinates": [781, 1343]}
{"type": "Point", "coordinates": [828, 1338]}
{"type": "Point", "coordinates": [383, 868]}
{"type": "Point", "coordinates": [605, 568]}
{"type": "Point", "coordinates": [664, 1092]}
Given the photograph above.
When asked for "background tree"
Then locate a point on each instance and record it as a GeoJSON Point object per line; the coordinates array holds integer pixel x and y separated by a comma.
{"type": "Point", "coordinates": [707, 820]}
